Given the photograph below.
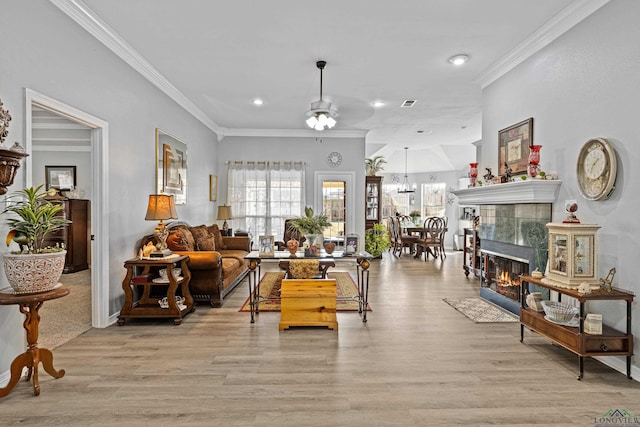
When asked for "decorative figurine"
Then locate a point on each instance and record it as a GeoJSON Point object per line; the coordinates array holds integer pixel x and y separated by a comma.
{"type": "Point", "coordinates": [571, 207]}
{"type": "Point", "coordinates": [488, 176]}
{"type": "Point", "coordinates": [506, 177]}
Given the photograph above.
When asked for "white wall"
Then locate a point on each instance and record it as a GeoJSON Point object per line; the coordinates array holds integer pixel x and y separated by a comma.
{"type": "Point", "coordinates": [584, 85]}
{"type": "Point", "coordinates": [49, 53]}
{"type": "Point", "coordinates": [312, 151]}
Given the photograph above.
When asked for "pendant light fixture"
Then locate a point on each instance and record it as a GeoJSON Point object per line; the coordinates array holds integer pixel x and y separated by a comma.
{"type": "Point", "coordinates": [321, 114]}
{"type": "Point", "coordinates": [405, 188]}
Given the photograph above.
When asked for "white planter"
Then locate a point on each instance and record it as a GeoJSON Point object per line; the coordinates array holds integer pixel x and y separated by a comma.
{"type": "Point", "coordinates": [31, 273]}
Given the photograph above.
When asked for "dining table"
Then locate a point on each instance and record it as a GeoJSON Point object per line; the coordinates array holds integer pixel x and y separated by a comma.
{"type": "Point", "coordinates": [421, 232]}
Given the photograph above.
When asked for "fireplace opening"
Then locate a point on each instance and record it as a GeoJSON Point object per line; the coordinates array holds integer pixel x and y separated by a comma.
{"type": "Point", "coordinates": [502, 266]}
{"type": "Point", "coordinates": [502, 275]}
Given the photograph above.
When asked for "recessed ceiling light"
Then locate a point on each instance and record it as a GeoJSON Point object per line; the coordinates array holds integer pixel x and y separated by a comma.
{"type": "Point", "coordinates": [426, 132]}
{"type": "Point", "coordinates": [258, 101]}
{"type": "Point", "coordinates": [459, 59]}
{"type": "Point", "coordinates": [378, 104]}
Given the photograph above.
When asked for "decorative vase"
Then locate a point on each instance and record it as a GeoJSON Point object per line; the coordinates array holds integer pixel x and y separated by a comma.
{"type": "Point", "coordinates": [292, 246]}
{"type": "Point", "coordinates": [473, 173]}
{"type": "Point", "coordinates": [534, 160]}
{"type": "Point", "coordinates": [33, 273]}
{"type": "Point", "coordinates": [329, 247]}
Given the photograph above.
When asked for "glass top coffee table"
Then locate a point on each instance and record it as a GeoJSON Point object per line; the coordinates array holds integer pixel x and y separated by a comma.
{"type": "Point", "coordinates": [361, 259]}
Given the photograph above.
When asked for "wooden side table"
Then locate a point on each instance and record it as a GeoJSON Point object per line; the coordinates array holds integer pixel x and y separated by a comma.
{"type": "Point", "coordinates": [144, 273]}
{"type": "Point", "coordinates": [29, 304]}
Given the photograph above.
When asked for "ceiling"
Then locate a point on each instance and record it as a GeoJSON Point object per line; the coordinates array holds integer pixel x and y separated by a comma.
{"type": "Point", "coordinates": [214, 58]}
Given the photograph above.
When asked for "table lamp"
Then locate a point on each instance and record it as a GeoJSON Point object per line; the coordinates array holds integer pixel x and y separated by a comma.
{"type": "Point", "coordinates": [224, 213]}
{"type": "Point", "coordinates": [161, 207]}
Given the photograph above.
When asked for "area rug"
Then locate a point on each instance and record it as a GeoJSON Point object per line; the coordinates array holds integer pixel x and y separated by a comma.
{"type": "Point", "coordinates": [481, 311]}
{"type": "Point", "coordinates": [272, 281]}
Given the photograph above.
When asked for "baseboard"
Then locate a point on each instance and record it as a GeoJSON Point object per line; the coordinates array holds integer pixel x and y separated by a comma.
{"type": "Point", "coordinates": [620, 364]}
{"type": "Point", "coordinates": [113, 319]}
{"type": "Point", "coordinates": [4, 378]}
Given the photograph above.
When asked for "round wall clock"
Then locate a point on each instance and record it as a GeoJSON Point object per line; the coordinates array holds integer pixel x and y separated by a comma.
{"type": "Point", "coordinates": [334, 159]}
{"type": "Point", "coordinates": [597, 169]}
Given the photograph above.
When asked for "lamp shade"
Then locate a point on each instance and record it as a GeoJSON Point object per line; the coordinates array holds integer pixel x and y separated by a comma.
{"type": "Point", "coordinates": [224, 212]}
{"type": "Point", "coordinates": [161, 207]}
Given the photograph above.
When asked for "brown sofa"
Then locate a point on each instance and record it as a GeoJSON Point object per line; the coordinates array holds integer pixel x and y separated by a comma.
{"type": "Point", "coordinates": [216, 263]}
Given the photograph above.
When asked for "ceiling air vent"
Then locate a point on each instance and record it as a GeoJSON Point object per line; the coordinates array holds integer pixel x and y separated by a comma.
{"type": "Point", "coordinates": [409, 103]}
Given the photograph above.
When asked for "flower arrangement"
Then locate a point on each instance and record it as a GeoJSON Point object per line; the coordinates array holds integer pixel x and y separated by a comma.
{"type": "Point", "coordinates": [414, 214]}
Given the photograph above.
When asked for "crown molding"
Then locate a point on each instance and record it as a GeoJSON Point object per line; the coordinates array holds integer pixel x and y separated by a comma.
{"type": "Point", "coordinates": [295, 133]}
{"type": "Point", "coordinates": [90, 21]}
{"type": "Point", "coordinates": [551, 30]}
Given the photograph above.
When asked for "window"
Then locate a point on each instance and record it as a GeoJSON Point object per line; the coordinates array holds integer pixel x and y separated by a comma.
{"type": "Point", "coordinates": [263, 194]}
{"type": "Point", "coordinates": [393, 203]}
{"type": "Point", "coordinates": [434, 199]}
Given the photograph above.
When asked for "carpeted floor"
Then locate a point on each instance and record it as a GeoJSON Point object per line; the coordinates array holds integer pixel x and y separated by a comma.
{"type": "Point", "coordinates": [481, 311]}
{"type": "Point", "coordinates": [270, 287]}
{"type": "Point", "coordinates": [65, 318]}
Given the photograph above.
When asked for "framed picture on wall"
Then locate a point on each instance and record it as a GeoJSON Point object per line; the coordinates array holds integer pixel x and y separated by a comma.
{"type": "Point", "coordinates": [61, 178]}
{"type": "Point", "coordinates": [171, 170]}
{"type": "Point", "coordinates": [513, 147]}
{"type": "Point", "coordinates": [213, 188]}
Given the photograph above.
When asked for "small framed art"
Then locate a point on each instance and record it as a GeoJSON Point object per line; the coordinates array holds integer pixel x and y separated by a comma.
{"type": "Point", "coordinates": [61, 178]}
{"type": "Point", "coordinates": [513, 147]}
{"type": "Point", "coordinates": [213, 188]}
{"type": "Point", "coordinates": [267, 246]}
{"type": "Point", "coordinates": [351, 244]}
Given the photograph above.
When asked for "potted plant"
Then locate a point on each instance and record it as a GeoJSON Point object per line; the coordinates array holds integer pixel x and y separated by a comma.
{"type": "Point", "coordinates": [35, 267]}
{"type": "Point", "coordinates": [311, 226]}
{"type": "Point", "coordinates": [374, 164]}
{"type": "Point", "coordinates": [376, 240]}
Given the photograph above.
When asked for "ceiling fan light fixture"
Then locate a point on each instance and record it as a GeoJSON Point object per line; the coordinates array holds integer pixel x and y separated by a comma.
{"type": "Point", "coordinates": [321, 113]}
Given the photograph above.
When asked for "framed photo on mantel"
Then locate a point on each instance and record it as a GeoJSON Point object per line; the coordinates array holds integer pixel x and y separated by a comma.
{"type": "Point", "coordinates": [513, 147]}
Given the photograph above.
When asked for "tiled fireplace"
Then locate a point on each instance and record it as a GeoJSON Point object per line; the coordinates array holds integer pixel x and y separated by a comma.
{"type": "Point", "coordinates": [513, 234]}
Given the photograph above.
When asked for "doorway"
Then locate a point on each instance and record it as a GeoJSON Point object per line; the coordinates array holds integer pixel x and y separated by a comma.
{"type": "Point", "coordinates": [97, 133]}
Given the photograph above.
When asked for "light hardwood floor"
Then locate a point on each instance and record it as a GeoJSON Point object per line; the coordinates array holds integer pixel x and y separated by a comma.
{"type": "Point", "coordinates": [416, 362]}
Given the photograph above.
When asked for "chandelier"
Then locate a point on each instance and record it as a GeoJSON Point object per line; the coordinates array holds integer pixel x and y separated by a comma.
{"type": "Point", "coordinates": [321, 114]}
{"type": "Point", "coordinates": [405, 188]}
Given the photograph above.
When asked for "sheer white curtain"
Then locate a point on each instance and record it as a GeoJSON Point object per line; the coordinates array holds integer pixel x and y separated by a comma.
{"type": "Point", "coordinates": [263, 194]}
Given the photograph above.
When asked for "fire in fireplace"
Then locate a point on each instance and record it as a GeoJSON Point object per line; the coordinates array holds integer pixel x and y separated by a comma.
{"type": "Point", "coordinates": [503, 265]}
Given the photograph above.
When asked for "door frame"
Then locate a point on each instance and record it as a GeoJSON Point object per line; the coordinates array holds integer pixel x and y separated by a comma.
{"type": "Point", "coordinates": [349, 179]}
{"type": "Point", "coordinates": [100, 193]}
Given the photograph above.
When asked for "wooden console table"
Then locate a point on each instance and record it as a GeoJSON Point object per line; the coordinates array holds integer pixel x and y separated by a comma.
{"type": "Point", "coordinates": [29, 304]}
{"type": "Point", "coordinates": [610, 343]}
{"type": "Point", "coordinates": [144, 273]}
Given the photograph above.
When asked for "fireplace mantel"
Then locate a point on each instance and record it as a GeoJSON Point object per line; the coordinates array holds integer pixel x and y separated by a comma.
{"type": "Point", "coordinates": [528, 191]}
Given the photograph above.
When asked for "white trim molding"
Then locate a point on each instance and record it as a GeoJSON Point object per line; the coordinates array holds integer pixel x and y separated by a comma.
{"type": "Point", "coordinates": [529, 191]}
{"type": "Point", "coordinates": [554, 28]}
{"type": "Point", "coordinates": [296, 133]}
{"type": "Point", "coordinates": [90, 21]}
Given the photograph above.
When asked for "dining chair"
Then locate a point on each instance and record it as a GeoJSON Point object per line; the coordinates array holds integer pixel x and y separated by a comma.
{"type": "Point", "coordinates": [407, 240]}
{"type": "Point", "coordinates": [432, 239]}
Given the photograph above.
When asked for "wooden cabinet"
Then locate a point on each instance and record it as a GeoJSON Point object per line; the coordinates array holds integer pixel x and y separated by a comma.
{"type": "Point", "coordinates": [75, 237]}
{"type": "Point", "coordinates": [373, 201]}
{"type": "Point", "coordinates": [472, 261]}
{"type": "Point", "coordinates": [610, 343]}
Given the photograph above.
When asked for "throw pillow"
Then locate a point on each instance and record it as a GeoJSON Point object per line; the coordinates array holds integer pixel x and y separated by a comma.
{"type": "Point", "coordinates": [177, 242]}
{"type": "Point", "coordinates": [206, 243]}
{"type": "Point", "coordinates": [200, 232]}
{"type": "Point", "coordinates": [217, 235]}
